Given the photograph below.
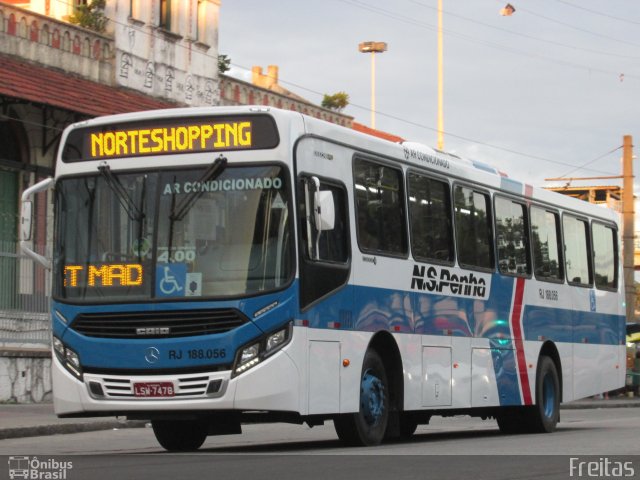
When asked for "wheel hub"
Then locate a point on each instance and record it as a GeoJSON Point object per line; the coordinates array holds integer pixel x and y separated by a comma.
{"type": "Point", "coordinates": [371, 398]}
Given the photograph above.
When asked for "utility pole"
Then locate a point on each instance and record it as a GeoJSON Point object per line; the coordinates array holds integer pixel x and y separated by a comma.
{"type": "Point", "coordinates": [628, 213]}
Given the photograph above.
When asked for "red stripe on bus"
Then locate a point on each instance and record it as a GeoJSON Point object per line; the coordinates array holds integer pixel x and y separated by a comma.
{"type": "Point", "coordinates": [517, 335]}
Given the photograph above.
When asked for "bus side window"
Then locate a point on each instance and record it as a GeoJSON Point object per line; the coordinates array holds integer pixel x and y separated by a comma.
{"type": "Point", "coordinates": [545, 238]}
{"type": "Point", "coordinates": [430, 219]}
{"type": "Point", "coordinates": [511, 238]}
{"type": "Point", "coordinates": [473, 228]}
{"type": "Point", "coordinates": [324, 255]}
{"type": "Point", "coordinates": [380, 208]}
{"type": "Point", "coordinates": [332, 244]}
{"type": "Point", "coordinates": [605, 256]}
{"type": "Point", "coordinates": [576, 240]}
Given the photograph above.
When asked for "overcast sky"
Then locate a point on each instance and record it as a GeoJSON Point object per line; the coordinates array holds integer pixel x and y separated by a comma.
{"type": "Point", "coordinates": [542, 93]}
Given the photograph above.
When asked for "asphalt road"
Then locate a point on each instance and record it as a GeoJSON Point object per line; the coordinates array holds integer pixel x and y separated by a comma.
{"type": "Point", "coordinates": [447, 448]}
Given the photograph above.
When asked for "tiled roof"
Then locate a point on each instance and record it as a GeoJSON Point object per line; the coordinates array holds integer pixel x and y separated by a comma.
{"type": "Point", "coordinates": [377, 133]}
{"type": "Point", "coordinates": [39, 84]}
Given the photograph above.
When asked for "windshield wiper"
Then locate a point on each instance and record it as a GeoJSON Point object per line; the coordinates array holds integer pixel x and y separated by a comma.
{"type": "Point", "coordinates": [133, 212]}
{"type": "Point", "coordinates": [215, 169]}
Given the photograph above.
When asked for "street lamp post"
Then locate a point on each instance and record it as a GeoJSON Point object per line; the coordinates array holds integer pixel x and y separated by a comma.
{"type": "Point", "coordinates": [373, 48]}
{"type": "Point", "coordinates": [440, 81]}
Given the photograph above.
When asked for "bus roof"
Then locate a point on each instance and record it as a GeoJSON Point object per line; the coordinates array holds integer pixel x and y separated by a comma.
{"type": "Point", "coordinates": [411, 154]}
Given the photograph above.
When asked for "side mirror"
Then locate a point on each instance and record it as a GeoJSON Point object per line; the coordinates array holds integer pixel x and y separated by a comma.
{"type": "Point", "coordinates": [324, 210]}
{"type": "Point", "coordinates": [25, 220]}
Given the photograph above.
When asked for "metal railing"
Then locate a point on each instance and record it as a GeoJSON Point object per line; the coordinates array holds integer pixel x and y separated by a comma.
{"type": "Point", "coordinates": [24, 297]}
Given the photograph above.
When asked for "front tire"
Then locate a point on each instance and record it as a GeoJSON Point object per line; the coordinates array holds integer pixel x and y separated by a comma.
{"type": "Point", "coordinates": [368, 426]}
{"type": "Point", "coordinates": [180, 435]}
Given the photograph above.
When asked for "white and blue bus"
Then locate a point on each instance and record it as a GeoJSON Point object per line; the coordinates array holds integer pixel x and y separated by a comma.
{"type": "Point", "coordinates": [214, 267]}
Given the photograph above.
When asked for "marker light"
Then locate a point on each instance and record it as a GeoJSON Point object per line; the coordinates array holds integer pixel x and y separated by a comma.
{"type": "Point", "coordinates": [58, 346]}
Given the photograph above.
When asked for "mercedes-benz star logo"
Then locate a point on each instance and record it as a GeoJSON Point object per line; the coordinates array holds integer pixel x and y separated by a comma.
{"type": "Point", "coordinates": [152, 355]}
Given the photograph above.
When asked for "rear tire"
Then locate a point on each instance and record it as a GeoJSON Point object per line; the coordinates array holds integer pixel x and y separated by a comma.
{"type": "Point", "coordinates": [543, 416]}
{"type": "Point", "coordinates": [180, 435]}
{"type": "Point", "coordinates": [368, 425]}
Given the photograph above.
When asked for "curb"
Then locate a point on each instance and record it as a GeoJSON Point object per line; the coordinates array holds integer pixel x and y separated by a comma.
{"type": "Point", "coordinates": [43, 430]}
{"type": "Point", "coordinates": [600, 404]}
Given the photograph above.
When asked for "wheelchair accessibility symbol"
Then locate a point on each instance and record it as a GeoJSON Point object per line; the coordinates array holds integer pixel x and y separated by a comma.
{"type": "Point", "coordinates": [170, 279]}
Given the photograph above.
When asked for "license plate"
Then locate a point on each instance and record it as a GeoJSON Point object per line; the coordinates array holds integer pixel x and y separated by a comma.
{"type": "Point", "coordinates": [154, 389]}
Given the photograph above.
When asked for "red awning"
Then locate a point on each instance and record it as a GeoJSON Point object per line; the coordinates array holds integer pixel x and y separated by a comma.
{"type": "Point", "coordinates": [38, 84]}
{"type": "Point", "coordinates": [377, 133]}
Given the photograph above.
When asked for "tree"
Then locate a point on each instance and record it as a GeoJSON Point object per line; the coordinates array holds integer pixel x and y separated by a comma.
{"type": "Point", "coordinates": [90, 16]}
{"type": "Point", "coordinates": [224, 63]}
{"type": "Point", "coordinates": [337, 101]}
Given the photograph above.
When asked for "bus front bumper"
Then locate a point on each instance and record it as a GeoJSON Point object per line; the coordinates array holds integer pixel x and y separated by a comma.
{"type": "Point", "coordinates": [272, 385]}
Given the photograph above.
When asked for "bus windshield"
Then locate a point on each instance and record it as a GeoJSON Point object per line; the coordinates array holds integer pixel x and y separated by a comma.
{"type": "Point", "coordinates": [174, 234]}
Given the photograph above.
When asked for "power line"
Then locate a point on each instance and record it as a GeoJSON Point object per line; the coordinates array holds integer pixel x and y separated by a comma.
{"type": "Point", "coordinates": [524, 35]}
{"type": "Point", "coordinates": [388, 13]}
{"type": "Point", "coordinates": [592, 161]}
{"type": "Point", "coordinates": [474, 40]}
{"type": "Point", "coordinates": [29, 122]}
{"type": "Point", "coordinates": [579, 7]}
{"type": "Point", "coordinates": [580, 29]}
{"type": "Point", "coordinates": [449, 134]}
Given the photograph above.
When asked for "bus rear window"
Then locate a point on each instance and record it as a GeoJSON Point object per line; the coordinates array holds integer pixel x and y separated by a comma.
{"type": "Point", "coordinates": [605, 256]}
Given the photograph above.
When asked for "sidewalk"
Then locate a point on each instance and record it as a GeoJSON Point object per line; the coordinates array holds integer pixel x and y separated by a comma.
{"type": "Point", "coordinates": [37, 419]}
{"type": "Point", "coordinates": [620, 401]}
{"type": "Point", "coordinates": [31, 420]}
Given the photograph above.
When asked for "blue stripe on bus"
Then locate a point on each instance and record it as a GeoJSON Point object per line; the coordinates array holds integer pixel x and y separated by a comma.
{"type": "Point", "coordinates": [570, 326]}
{"type": "Point", "coordinates": [400, 311]}
{"type": "Point", "coordinates": [504, 366]}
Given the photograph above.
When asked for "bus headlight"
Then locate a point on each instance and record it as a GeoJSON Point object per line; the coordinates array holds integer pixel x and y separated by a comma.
{"type": "Point", "coordinates": [67, 357]}
{"type": "Point", "coordinates": [250, 355]}
{"type": "Point", "coordinates": [275, 340]}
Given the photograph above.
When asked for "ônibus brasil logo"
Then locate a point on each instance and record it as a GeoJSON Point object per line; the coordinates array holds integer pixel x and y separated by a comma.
{"type": "Point", "coordinates": [32, 468]}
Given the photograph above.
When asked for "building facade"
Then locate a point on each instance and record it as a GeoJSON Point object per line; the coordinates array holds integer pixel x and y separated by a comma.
{"type": "Point", "coordinates": [265, 89]}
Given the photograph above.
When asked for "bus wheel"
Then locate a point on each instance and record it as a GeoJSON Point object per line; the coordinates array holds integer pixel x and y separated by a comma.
{"type": "Point", "coordinates": [544, 415]}
{"type": "Point", "coordinates": [180, 435]}
{"type": "Point", "coordinates": [368, 426]}
{"type": "Point", "coordinates": [512, 421]}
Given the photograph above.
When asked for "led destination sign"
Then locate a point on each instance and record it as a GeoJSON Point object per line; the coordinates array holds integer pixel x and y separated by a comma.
{"type": "Point", "coordinates": [104, 275]}
{"type": "Point", "coordinates": [171, 136]}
